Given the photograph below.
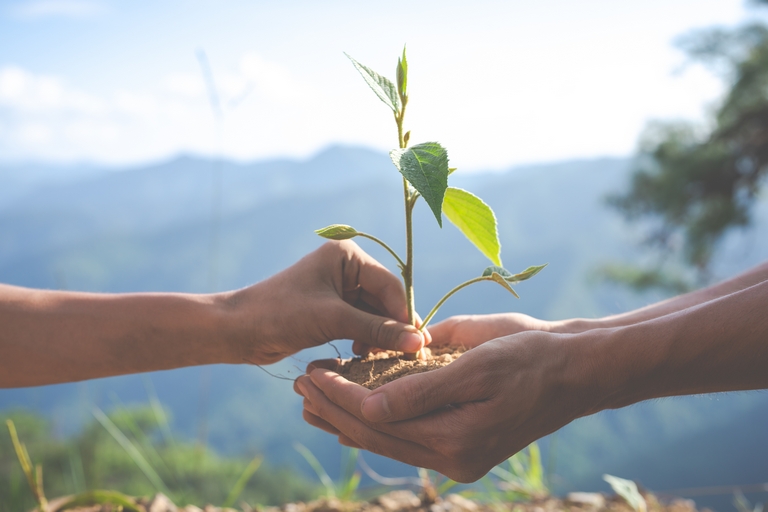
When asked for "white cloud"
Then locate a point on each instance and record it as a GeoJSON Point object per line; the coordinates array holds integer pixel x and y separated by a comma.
{"type": "Point", "coordinates": [267, 111]}
{"type": "Point", "coordinates": [23, 91]}
{"type": "Point", "coordinates": [34, 133]}
{"type": "Point", "coordinates": [186, 85]}
{"type": "Point", "coordinates": [271, 79]}
{"type": "Point", "coordinates": [37, 9]}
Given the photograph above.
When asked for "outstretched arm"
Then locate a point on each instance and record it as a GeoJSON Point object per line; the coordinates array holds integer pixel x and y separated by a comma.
{"type": "Point", "coordinates": [742, 281]}
{"type": "Point", "coordinates": [471, 330]}
{"type": "Point", "coordinates": [338, 291]}
{"type": "Point", "coordinates": [497, 398]}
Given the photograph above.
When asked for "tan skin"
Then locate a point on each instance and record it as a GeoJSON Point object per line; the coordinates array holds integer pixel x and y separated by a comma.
{"type": "Point", "coordinates": [525, 378]}
{"type": "Point", "coordinates": [336, 292]}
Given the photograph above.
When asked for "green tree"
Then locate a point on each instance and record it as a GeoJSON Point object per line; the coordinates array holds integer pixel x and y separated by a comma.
{"type": "Point", "coordinates": [693, 183]}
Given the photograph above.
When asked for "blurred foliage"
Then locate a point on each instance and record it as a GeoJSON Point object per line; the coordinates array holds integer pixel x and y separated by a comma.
{"type": "Point", "coordinates": [692, 184]}
{"type": "Point", "coordinates": [94, 460]}
{"type": "Point", "coordinates": [349, 480]}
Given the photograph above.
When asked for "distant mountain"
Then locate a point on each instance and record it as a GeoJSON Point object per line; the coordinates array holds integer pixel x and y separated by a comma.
{"type": "Point", "coordinates": [197, 225]}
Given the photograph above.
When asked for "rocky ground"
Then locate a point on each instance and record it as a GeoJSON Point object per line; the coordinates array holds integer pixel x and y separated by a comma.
{"type": "Point", "coordinates": [407, 501]}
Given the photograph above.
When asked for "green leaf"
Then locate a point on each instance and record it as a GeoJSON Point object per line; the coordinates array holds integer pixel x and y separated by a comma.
{"type": "Point", "coordinates": [425, 166]}
{"type": "Point", "coordinates": [475, 220]}
{"type": "Point", "coordinates": [402, 75]}
{"type": "Point", "coordinates": [337, 232]}
{"type": "Point", "coordinates": [527, 273]}
{"type": "Point", "coordinates": [514, 278]}
{"type": "Point", "coordinates": [498, 270]}
{"type": "Point", "coordinates": [495, 276]}
{"type": "Point", "coordinates": [384, 89]}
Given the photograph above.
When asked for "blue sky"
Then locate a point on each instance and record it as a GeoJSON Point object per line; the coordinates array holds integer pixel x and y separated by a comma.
{"type": "Point", "coordinates": [497, 82]}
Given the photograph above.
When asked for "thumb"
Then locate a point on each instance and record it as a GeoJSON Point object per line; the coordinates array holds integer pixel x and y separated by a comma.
{"type": "Point", "coordinates": [419, 394]}
{"type": "Point", "coordinates": [381, 332]}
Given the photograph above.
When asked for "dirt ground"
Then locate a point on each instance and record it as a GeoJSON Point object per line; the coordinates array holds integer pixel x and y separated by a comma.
{"type": "Point", "coordinates": [408, 501]}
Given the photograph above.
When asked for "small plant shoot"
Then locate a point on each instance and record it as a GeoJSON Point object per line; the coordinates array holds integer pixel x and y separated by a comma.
{"type": "Point", "coordinates": [425, 170]}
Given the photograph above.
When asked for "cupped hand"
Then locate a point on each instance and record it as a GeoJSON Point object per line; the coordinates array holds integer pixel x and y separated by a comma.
{"type": "Point", "coordinates": [335, 292]}
{"type": "Point", "coordinates": [464, 418]}
{"type": "Point", "coordinates": [472, 330]}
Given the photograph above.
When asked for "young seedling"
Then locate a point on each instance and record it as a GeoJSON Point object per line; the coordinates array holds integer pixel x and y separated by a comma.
{"type": "Point", "coordinates": [424, 168]}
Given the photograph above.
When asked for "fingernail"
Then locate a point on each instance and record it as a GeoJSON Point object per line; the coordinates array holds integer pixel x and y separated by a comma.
{"type": "Point", "coordinates": [375, 407]}
{"type": "Point", "coordinates": [409, 341]}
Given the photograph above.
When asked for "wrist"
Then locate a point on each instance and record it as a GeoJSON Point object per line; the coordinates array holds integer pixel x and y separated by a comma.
{"type": "Point", "coordinates": [249, 324]}
{"type": "Point", "coordinates": [230, 324]}
{"type": "Point", "coordinates": [218, 320]}
{"type": "Point", "coordinates": [625, 364]}
{"type": "Point", "coordinates": [601, 371]}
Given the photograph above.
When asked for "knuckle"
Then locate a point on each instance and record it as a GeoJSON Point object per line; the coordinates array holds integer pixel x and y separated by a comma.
{"type": "Point", "coordinates": [377, 332]}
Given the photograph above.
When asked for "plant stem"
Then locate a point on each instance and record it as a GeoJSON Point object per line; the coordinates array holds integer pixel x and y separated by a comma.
{"type": "Point", "coordinates": [384, 245]}
{"type": "Point", "coordinates": [447, 295]}
{"type": "Point", "coordinates": [408, 198]}
{"type": "Point", "coordinates": [408, 268]}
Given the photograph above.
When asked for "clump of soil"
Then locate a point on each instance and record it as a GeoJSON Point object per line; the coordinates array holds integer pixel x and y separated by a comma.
{"type": "Point", "coordinates": [376, 369]}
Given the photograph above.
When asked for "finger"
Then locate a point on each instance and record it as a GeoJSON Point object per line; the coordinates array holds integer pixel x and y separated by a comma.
{"type": "Point", "coordinates": [425, 332]}
{"type": "Point", "coordinates": [350, 397]}
{"type": "Point", "coordinates": [296, 388]}
{"type": "Point", "coordinates": [347, 395]}
{"type": "Point", "coordinates": [328, 364]}
{"type": "Point", "coordinates": [360, 349]}
{"type": "Point", "coordinates": [442, 332]}
{"type": "Point", "coordinates": [368, 306]}
{"type": "Point", "coordinates": [366, 437]}
{"type": "Point", "coordinates": [377, 331]}
{"type": "Point", "coordinates": [382, 284]}
{"type": "Point", "coordinates": [367, 299]}
{"type": "Point", "coordinates": [320, 423]}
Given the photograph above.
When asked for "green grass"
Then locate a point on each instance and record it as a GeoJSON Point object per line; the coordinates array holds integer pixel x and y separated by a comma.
{"type": "Point", "coordinates": [99, 458]}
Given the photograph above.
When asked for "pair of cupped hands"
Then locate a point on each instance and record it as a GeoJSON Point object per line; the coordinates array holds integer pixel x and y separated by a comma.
{"type": "Point", "coordinates": [513, 387]}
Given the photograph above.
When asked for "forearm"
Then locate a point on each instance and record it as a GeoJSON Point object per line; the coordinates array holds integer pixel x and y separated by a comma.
{"type": "Point", "coordinates": [747, 279]}
{"type": "Point", "coordinates": [720, 345]}
{"type": "Point", "coordinates": [49, 336]}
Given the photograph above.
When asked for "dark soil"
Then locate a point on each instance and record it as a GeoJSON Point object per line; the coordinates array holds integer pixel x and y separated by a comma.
{"type": "Point", "coordinates": [376, 369]}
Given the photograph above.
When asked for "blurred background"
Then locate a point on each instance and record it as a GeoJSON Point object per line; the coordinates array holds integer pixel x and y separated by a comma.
{"type": "Point", "coordinates": [195, 146]}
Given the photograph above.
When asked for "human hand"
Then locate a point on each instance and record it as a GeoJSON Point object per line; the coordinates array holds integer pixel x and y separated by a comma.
{"type": "Point", "coordinates": [467, 417]}
{"type": "Point", "coordinates": [471, 330]}
{"type": "Point", "coordinates": [335, 292]}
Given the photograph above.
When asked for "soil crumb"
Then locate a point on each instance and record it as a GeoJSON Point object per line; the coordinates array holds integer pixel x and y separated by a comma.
{"type": "Point", "coordinates": [375, 370]}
